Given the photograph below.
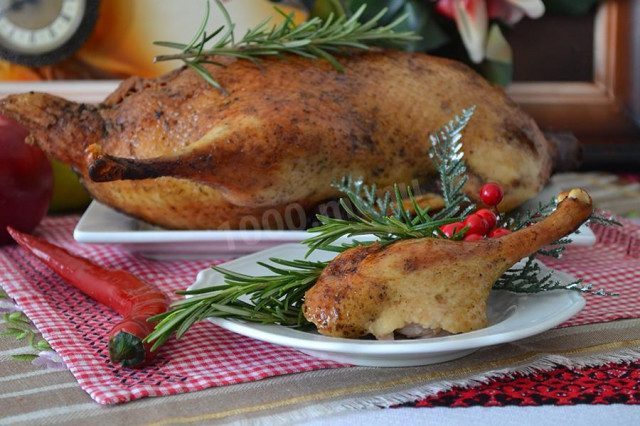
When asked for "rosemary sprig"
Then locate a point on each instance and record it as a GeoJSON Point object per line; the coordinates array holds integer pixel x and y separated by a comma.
{"type": "Point", "coordinates": [315, 39]}
{"type": "Point", "coordinates": [266, 299]}
{"type": "Point", "coordinates": [367, 199]}
{"type": "Point", "coordinates": [367, 220]}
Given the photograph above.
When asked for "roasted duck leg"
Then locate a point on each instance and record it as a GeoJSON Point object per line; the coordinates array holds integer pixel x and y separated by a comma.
{"type": "Point", "coordinates": [430, 283]}
{"type": "Point", "coordinates": [176, 152]}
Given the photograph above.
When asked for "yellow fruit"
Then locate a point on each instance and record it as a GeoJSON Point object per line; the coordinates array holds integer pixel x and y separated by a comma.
{"type": "Point", "coordinates": [68, 194]}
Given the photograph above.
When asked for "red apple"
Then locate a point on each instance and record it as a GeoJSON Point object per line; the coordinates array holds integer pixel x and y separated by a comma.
{"type": "Point", "coordinates": [26, 180]}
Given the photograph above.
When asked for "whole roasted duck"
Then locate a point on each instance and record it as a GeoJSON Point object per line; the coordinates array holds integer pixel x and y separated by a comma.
{"type": "Point", "coordinates": [179, 153]}
{"type": "Point", "coordinates": [419, 285]}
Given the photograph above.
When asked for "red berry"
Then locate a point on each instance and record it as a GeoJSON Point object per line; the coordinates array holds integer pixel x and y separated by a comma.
{"type": "Point", "coordinates": [451, 228]}
{"type": "Point", "coordinates": [473, 237]}
{"type": "Point", "coordinates": [491, 194]}
{"type": "Point", "coordinates": [498, 232]}
{"type": "Point", "coordinates": [489, 216]}
{"type": "Point", "coordinates": [477, 225]}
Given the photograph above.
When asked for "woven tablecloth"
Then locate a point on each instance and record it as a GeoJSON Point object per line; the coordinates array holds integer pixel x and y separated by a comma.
{"type": "Point", "coordinates": [77, 327]}
{"type": "Point", "coordinates": [210, 357]}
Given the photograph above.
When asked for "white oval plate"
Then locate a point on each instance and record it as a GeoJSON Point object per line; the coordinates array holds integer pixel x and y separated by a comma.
{"type": "Point", "coordinates": [511, 317]}
{"type": "Point", "coordinates": [103, 225]}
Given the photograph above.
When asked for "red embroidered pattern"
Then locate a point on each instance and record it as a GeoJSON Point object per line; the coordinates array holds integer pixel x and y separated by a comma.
{"type": "Point", "coordinates": [608, 384]}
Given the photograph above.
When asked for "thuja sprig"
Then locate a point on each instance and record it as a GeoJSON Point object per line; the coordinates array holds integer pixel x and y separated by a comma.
{"type": "Point", "coordinates": [447, 156]}
{"type": "Point", "coordinates": [529, 279]}
{"type": "Point", "coordinates": [601, 218]}
{"type": "Point", "coordinates": [555, 249]}
{"type": "Point", "coordinates": [528, 217]}
{"type": "Point", "coordinates": [523, 219]}
{"type": "Point", "coordinates": [520, 220]}
{"type": "Point", "coordinates": [315, 39]}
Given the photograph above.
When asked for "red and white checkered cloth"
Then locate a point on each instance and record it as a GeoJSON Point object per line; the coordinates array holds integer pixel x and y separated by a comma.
{"type": "Point", "coordinates": [612, 264]}
{"type": "Point", "coordinates": [77, 327]}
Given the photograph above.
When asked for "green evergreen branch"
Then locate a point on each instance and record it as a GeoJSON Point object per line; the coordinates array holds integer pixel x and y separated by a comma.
{"type": "Point", "coordinates": [602, 219]}
{"type": "Point", "coordinates": [365, 197]}
{"type": "Point", "coordinates": [529, 279]}
{"type": "Point", "coordinates": [368, 219]}
{"type": "Point", "coordinates": [521, 220]}
{"type": "Point", "coordinates": [314, 39]}
{"type": "Point", "coordinates": [555, 249]}
{"type": "Point", "coordinates": [530, 216]}
{"type": "Point", "coordinates": [447, 156]}
{"type": "Point", "coordinates": [265, 299]}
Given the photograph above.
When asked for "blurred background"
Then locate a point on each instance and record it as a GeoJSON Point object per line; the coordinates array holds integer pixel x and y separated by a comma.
{"type": "Point", "coordinates": [574, 65]}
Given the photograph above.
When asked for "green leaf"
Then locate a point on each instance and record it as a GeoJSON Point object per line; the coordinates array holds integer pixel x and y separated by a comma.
{"type": "Point", "coordinates": [327, 57]}
{"type": "Point", "coordinates": [498, 48]}
{"type": "Point", "coordinates": [21, 335]}
{"type": "Point", "coordinates": [206, 75]}
{"type": "Point", "coordinates": [497, 66]}
{"type": "Point", "coordinates": [24, 357]}
{"type": "Point", "coordinates": [15, 316]}
{"type": "Point", "coordinates": [170, 44]}
{"type": "Point", "coordinates": [127, 350]}
{"type": "Point", "coordinates": [421, 20]}
{"type": "Point", "coordinates": [43, 345]}
{"type": "Point", "coordinates": [11, 332]}
{"type": "Point", "coordinates": [499, 73]}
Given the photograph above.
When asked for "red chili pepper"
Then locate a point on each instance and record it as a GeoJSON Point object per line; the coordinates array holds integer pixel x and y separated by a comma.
{"type": "Point", "coordinates": [121, 291]}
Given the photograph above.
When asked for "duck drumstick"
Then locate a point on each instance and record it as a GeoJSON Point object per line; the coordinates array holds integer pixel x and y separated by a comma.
{"type": "Point", "coordinates": [432, 283]}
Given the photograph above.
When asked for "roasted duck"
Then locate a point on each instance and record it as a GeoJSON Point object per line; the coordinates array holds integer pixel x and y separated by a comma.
{"type": "Point", "coordinates": [179, 153]}
{"type": "Point", "coordinates": [430, 283]}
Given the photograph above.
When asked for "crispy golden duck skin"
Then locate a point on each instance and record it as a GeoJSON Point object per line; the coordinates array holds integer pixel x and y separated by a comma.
{"type": "Point", "coordinates": [176, 152]}
{"type": "Point", "coordinates": [433, 283]}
